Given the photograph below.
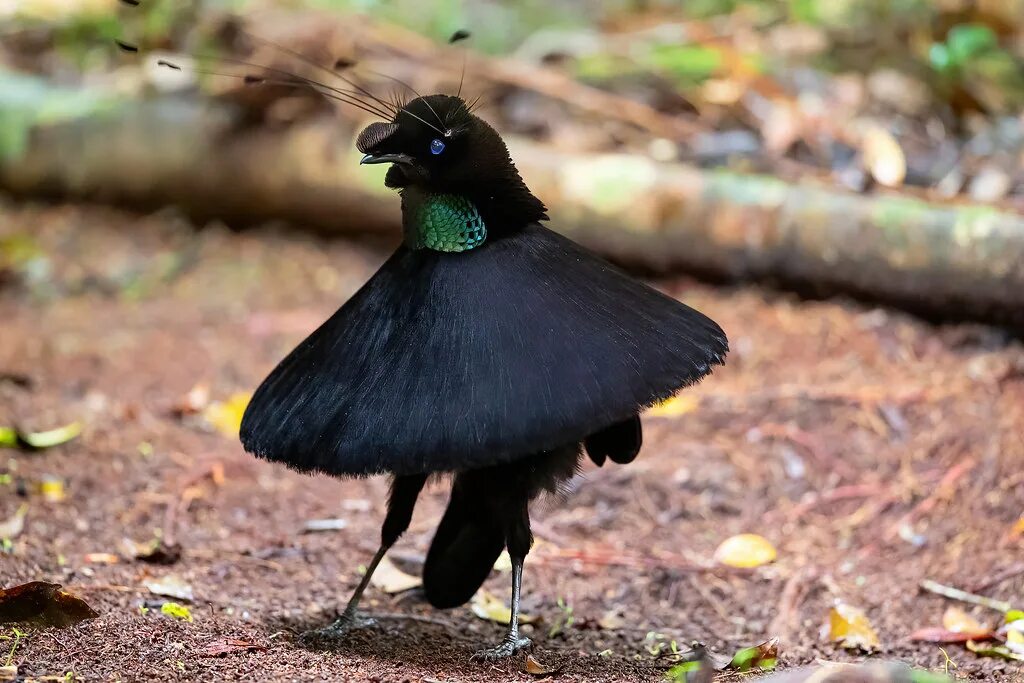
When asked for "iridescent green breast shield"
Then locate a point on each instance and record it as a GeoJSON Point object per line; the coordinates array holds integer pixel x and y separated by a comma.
{"type": "Point", "coordinates": [446, 222]}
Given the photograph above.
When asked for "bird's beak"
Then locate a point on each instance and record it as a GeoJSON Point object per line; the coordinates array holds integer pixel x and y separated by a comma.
{"type": "Point", "coordinates": [386, 159]}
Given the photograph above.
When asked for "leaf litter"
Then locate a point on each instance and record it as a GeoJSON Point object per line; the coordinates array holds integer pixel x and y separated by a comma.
{"type": "Point", "coordinates": [850, 627]}
{"type": "Point", "coordinates": [745, 551]}
{"type": "Point", "coordinates": [490, 607]}
{"type": "Point", "coordinates": [391, 579]}
{"type": "Point", "coordinates": [171, 586]}
{"type": "Point", "coordinates": [43, 604]}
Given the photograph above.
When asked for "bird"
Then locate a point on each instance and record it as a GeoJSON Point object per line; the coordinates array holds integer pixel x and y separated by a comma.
{"type": "Point", "coordinates": [488, 350]}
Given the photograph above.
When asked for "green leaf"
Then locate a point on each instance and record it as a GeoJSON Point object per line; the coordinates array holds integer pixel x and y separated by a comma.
{"type": "Point", "coordinates": [680, 673]}
{"type": "Point", "coordinates": [940, 58]}
{"type": "Point", "coordinates": [176, 610]}
{"type": "Point", "coordinates": [686, 62]}
{"type": "Point", "coordinates": [53, 437]}
{"type": "Point", "coordinates": [967, 41]}
{"type": "Point", "coordinates": [764, 657]}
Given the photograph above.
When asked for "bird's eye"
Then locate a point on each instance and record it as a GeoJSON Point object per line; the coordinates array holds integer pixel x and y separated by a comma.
{"type": "Point", "coordinates": [436, 146]}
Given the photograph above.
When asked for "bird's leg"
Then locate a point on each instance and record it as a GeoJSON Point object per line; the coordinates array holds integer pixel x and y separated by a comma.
{"type": "Point", "coordinates": [401, 501]}
{"type": "Point", "coordinates": [518, 540]}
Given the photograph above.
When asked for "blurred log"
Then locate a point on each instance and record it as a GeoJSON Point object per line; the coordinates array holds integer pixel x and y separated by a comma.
{"type": "Point", "coordinates": [942, 260]}
{"type": "Point", "coordinates": [879, 672]}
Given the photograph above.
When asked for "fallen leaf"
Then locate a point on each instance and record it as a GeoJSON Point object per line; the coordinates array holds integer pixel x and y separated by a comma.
{"type": "Point", "coordinates": [957, 627]}
{"type": "Point", "coordinates": [504, 563]}
{"type": "Point", "coordinates": [959, 621]}
{"type": "Point", "coordinates": [488, 606]}
{"type": "Point", "coordinates": [677, 406]}
{"type": "Point", "coordinates": [15, 524]}
{"type": "Point", "coordinates": [1018, 527]}
{"type": "Point", "coordinates": [170, 586]}
{"type": "Point", "coordinates": [883, 157]}
{"type": "Point", "coordinates": [611, 620]}
{"type": "Point", "coordinates": [101, 558]}
{"type": "Point", "coordinates": [535, 668]}
{"type": "Point", "coordinates": [9, 673]}
{"type": "Point", "coordinates": [52, 489]}
{"type": "Point", "coordinates": [226, 416]}
{"type": "Point", "coordinates": [993, 651]}
{"type": "Point", "coordinates": [391, 579]}
{"type": "Point", "coordinates": [938, 635]}
{"type": "Point", "coordinates": [197, 398]}
{"type": "Point", "coordinates": [313, 525]}
{"type": "Point", "coordinates": [745, 551]}
{"type": "Point", "coordinates": [761, 657]}
{"type": "Point", "coordinates": [176, 611]}
{"type": "Point", "coordinates": [1013, 631]}
{"type": "Point", "coordinates": [700, 666]}
{"type": "Point", "coordinates": [14, 438]}
{"type": "Point", "coordinates": [849, 626]}
{"type": "Point", "coordinates": [42, 604]}
{"type": "Point", "coordinates": [229, 646]}
{"type": "Point", "coordinates": [155, 552]}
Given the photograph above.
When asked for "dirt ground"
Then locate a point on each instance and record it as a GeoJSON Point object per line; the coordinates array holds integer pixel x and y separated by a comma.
{"type": "Point", "coordinates": [872, 449]}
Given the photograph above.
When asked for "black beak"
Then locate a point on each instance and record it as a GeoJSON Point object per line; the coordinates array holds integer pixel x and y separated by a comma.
{"type": "Point", "coordinates": [386, 159]}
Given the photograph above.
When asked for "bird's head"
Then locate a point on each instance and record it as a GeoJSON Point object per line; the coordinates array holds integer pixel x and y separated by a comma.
{"type": "Point", "coordinates": [437, 146]}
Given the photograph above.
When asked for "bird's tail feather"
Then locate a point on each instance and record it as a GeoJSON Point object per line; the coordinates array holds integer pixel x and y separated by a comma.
{"type": "Point", "coordinates": [467, 543]}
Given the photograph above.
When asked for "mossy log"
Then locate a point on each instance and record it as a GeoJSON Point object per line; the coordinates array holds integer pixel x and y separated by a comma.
{"type": "Point", "coordinates": [959, 261]}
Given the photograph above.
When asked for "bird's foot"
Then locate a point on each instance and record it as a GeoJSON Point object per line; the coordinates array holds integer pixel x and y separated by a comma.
{"type": "Point", "coordinates": [342, 626]}
{"type": "Point", "coordinates": [508, 647]}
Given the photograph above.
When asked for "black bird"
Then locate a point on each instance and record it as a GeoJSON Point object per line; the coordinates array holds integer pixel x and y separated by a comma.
{"type": "Point", "coordinates": [487, 347]}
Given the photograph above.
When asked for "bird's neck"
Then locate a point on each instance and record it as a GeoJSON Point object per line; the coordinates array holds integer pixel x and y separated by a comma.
{"type": "Point", "coordinates": [441, 221]}
{"type": "Point", "coordinates": [460, 221]}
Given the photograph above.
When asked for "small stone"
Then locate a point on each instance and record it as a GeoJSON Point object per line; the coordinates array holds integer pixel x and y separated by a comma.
{"type": "Point", "coordinates": [990, 185]}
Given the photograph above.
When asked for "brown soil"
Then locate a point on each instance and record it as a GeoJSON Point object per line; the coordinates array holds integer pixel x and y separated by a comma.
{"type": "Point", "coordinates": [872, 449]}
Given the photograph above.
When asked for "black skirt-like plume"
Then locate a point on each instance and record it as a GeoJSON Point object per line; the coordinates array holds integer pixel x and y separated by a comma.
{"type": "Point", "coordinates": [445, 362]}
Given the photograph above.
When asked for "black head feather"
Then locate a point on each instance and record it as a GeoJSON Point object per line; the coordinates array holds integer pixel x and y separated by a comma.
{"type": "Point", "coordinates": [437, 145]}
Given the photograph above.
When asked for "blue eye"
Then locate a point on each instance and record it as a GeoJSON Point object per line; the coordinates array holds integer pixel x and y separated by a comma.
{"type": "Point", "coordinates": [436, 146]}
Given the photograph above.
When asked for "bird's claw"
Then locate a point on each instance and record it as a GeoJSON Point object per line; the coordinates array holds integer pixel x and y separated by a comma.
{"type": "Point", "coordinates": [508, 647]}
{"type": "Point", "coordinates": [341, 627]}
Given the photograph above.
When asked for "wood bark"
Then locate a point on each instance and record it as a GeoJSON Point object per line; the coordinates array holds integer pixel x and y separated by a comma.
{"type": "Point", "coordinates": [963, 261]}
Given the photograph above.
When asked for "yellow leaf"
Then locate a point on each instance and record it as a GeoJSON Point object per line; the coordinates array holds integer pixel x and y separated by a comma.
{"type": "Point", "coordinates": [958, 621]}
{"type": "Point", "coordinates": [176, 610]}
{"type": "Point", "coordinates": [1018, 527]}
{"type": "Point", "coordinates": [883, 157]}
{"type": "Point", "coordinates": [850, 627]}
{"type": "Point", "coordinates": [677, 406]}
{"type": "Point", "coordinates": [226, 416]}
{"type": "Point", "coordinates": [391, 579]}
{"type": "Point", "coordinates": [488, 606]}
{"type": "Point", "coordinates": [101, 558]}
{"type": "Point", "coordinates": [745, 551]}
{"type": "Point", "coordinates": [504, 563]}
{"type": "Point", "coordinates": [52, 489]}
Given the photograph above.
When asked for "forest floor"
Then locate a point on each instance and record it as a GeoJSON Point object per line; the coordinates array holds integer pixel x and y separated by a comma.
{"type": "Point", "coordinates": [872, 449]}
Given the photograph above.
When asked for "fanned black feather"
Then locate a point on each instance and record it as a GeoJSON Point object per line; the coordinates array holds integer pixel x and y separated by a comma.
{"type": "Point", "coordinates": [445, 362]}
{"type": "Point", "coordinates": [467, 543]}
